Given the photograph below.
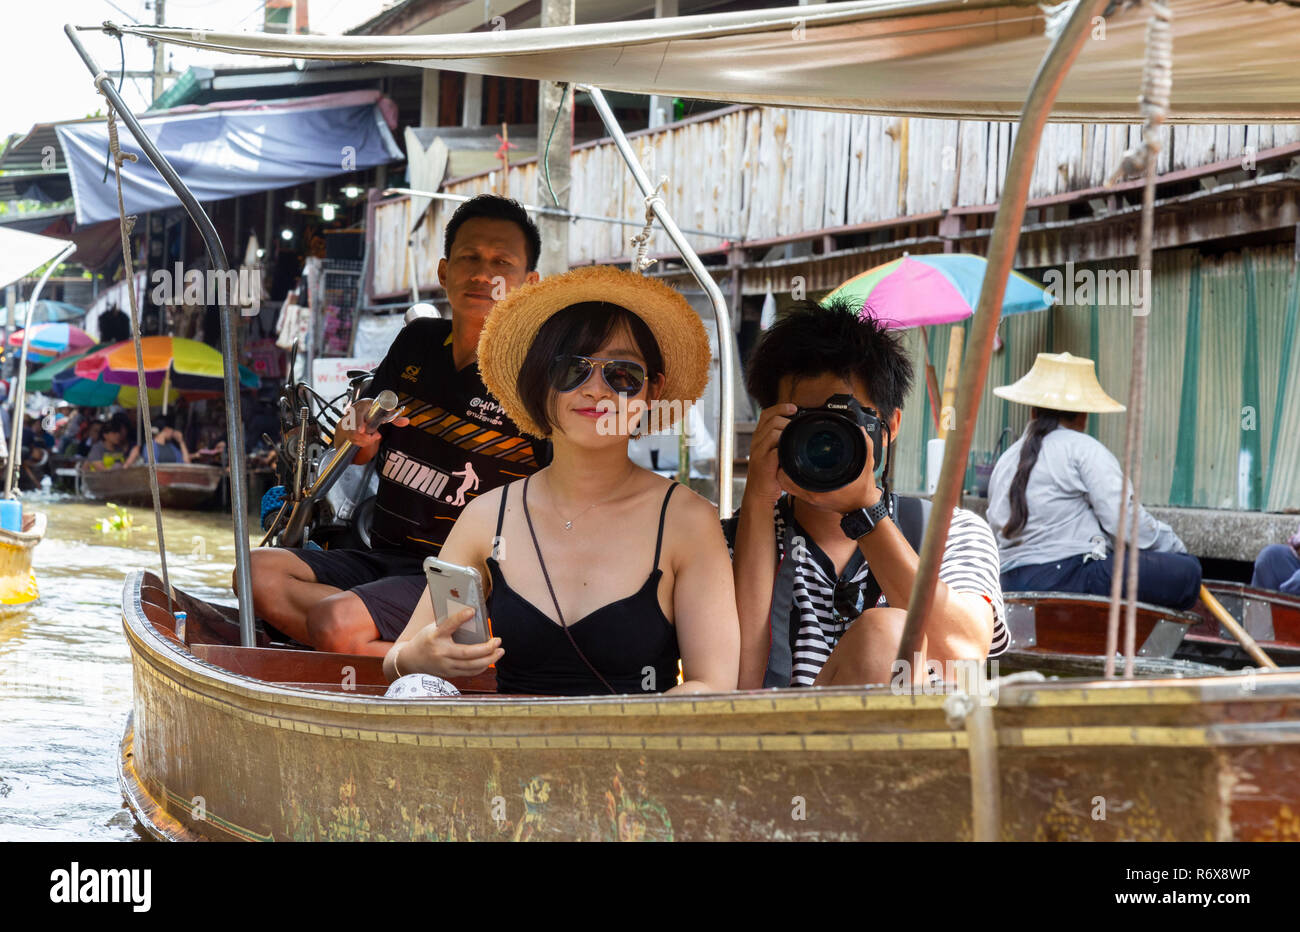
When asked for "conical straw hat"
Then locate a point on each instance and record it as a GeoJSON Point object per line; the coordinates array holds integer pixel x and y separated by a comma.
{"type": "Point", "coordinates": [1061, 382]}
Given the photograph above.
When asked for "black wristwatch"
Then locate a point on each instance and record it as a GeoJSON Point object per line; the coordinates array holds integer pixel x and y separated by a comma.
{"type": "Point", "coordinates": [858, 524]}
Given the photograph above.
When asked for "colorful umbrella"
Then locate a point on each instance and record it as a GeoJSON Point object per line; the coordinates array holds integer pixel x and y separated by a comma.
{"type": "Point", "coordinates": [940, 288]}
{"type": "Point", "coordinates": [918, 291]}
{"type": "Point", "coordinates": [51, 340]}
{"type": "Point", "coordinates": [50, 312]}
{"type": "Point", "coordinates": [185, 364]}
{"type": "Point", "coordinates": [60, 378]}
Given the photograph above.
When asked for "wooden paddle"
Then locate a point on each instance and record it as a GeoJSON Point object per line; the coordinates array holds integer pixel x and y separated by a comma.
{"type": "Point", "coordinates": [1247, 642]}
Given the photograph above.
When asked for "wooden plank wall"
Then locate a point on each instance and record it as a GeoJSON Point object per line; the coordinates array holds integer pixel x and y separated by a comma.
{"type": "Point", "coordinates": [759, 173]}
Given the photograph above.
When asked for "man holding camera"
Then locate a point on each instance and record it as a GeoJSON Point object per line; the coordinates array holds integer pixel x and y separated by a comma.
{"type": "Point", "coordinates": [824, 570]}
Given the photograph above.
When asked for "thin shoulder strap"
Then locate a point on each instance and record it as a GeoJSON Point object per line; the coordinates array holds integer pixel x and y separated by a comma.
{"type": "Point", "coordinates": [663, 512]}
{"type": "Point", "coordinates": [501, 513]}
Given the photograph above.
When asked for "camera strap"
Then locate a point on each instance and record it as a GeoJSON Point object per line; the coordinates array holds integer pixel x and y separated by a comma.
{"type": "Point", "coordinates": [910, 514]}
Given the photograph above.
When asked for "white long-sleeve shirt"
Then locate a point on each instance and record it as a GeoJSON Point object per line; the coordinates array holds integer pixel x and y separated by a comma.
{"type": "Point", "coordinates": [1073, 497]}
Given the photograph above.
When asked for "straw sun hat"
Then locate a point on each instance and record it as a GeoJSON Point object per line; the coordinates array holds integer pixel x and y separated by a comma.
{"type": "Point", "coordinates": [1061, 382]}
{"type": "Point", "coordinates": [512, 327]}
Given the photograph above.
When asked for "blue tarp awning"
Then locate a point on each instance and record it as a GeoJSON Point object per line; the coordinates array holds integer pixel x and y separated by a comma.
{"type": "Point", "coordinates": [225, 150]}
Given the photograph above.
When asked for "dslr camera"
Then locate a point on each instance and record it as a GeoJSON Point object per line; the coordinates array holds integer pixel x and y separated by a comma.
{"type": "Point", "coordinates": [823, 449]}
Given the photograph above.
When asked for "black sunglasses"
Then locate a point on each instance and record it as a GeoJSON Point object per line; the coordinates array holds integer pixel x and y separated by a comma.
{"type": "Point", "coordinates": [621, 375]}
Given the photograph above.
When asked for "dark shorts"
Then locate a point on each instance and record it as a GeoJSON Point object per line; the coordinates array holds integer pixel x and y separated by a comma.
{"type": "Point", "coordinates": [388, 582]}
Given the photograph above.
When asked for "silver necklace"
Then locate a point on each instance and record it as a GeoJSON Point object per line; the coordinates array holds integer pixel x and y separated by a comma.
{"type": "Point", "coordinates": [568, 525]}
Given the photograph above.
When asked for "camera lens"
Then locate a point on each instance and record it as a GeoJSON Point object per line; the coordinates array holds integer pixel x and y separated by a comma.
{"type": "Point", "coordinates": [821, 452]}
{"type": "Point", "coordinates": [824, 450]}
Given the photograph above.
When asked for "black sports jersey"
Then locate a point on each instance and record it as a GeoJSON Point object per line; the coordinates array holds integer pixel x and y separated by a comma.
{"type": "Point", "coordinates": [458, 445]}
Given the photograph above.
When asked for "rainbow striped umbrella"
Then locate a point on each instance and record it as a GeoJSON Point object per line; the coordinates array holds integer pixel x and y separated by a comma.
{"type": "Point", "coordinates": [60, 378]}
{"type": "Point", "coordinates": [181, 363]}
{"type": "Point", "coordinates": [919, 291]}
{"type": "Point", "coordinates": [51, 340]}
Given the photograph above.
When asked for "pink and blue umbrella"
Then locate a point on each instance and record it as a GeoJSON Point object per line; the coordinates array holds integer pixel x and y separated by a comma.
{"type": "Point", "coordinates": [49, 341]}
{"type": "Point", "coordinates": [920, 291]}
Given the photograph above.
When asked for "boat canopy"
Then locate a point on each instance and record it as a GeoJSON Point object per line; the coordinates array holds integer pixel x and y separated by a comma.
{"type": "Point", "coordinates": [954, 59]}
{"type": "Point", "coordinates": [225, 150]}
{"type": "Point", "coordinates": [23, 253]}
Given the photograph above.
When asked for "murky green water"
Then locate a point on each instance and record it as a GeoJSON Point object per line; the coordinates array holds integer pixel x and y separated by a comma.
{"type": "Point", "coordinates": [65, 677]}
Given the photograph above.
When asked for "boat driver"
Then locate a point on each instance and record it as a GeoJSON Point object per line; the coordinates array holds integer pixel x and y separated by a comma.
{"type": "Point", "coordinates": [358, 601]}
{"type": "Point", "coordinates": [823, 579]}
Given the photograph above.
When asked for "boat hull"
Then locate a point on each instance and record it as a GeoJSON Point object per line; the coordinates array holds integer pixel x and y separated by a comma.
{"type": "Point", "coordinates": [215, 754]}
{"type": "Point", "coordinates": [18, 588]}
{"type": "Point", "coordinates": [180, 485]}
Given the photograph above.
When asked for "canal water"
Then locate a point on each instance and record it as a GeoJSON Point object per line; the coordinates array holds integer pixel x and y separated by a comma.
{"type": "Point", "coordinates": [65, 677]}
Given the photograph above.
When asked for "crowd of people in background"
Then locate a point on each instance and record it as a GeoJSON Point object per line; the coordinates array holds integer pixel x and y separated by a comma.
{"type": "Point", "coordinates": [93, 438]}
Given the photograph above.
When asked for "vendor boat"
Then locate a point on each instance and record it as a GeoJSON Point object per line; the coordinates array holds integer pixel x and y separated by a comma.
{"type": "Point", "coordinates": [1271, 618]}
{"type": "Point", "coordinates": [18, 587]}
{"type": "Point", "coordinates": [20, 254]}
{"type": "Point", "coordinates": [180, 485]}
{"type": "Point", "coordinates": [1068, 631]}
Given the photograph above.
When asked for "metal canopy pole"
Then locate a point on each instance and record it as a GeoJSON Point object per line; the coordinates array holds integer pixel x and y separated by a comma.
{"type": "Point", "coordinates": [726, 350]}
{"type": "Point", "coordinates": [974, 370]}
{"type": "Point", "coordinates": [16, 436]}
{"type": "Point", "coordinates": [229, 351]}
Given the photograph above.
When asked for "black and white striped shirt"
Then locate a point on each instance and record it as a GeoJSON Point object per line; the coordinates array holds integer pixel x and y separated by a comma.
{"type": "Point", "coordinates": [824, 604]}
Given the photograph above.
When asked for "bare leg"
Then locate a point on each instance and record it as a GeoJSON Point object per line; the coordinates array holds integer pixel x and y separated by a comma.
{"type": "Point", "coordinates": [866, 652]}
{"type": "Point", "coordinates": [284, 588]}
{"type": "Point", "coordinates": [341, 624]}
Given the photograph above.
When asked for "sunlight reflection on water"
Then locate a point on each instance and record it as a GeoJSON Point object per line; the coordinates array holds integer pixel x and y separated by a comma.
{"type": "Point", "coordinates": [65, 674]}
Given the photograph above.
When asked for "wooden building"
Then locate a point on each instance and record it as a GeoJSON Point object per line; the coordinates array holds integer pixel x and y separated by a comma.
{"type": "Point", "coordinates": [791, 203]}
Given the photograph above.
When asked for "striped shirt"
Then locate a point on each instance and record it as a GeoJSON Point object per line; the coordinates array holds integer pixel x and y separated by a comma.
{"type": "Point", "coordinates": [825, 604]}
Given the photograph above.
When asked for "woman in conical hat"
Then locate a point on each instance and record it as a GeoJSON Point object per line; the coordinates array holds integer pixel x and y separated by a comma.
{"type": "Point", "coordinates": [603, 575]}
{"type": "Point", "coordinates": [1054, 496]}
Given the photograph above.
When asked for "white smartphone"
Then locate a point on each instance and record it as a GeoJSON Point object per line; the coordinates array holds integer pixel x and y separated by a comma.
{"type": "Point", "coordinates": [452, 588]}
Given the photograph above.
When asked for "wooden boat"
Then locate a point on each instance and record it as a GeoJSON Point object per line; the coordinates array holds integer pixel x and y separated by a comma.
{"type": "Point", "coordinates": [261, 742]}
{"type": "Point", "coordinates": [1074, 625]}
{"type": "Point", "coordinates": [17, 581]}
{"type": "Point", "coordinates": [180, 485]}
{"type": "Point", "coordinates": [268, 743]}
{"type": "Point", "coordinates": [1271, 618]}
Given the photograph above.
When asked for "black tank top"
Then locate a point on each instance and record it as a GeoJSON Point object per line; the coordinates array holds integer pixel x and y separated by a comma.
{"type": "Point", "coordinates": [620, 639]}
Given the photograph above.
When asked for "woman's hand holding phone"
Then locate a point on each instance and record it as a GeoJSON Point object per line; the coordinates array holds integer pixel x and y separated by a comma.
{"type": "Point", "coordinates": [435, 652]}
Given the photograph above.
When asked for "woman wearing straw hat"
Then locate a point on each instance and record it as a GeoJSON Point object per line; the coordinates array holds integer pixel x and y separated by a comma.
{"type": "Point", "coordinates": [1054, 496]}
{"type": "Point", "coordinates": [602, 574]}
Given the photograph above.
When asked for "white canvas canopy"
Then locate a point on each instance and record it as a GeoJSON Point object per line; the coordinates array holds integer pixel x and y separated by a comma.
{"type": "Point", "coordinates": [1234, 60]}
{"type": "Point", "coordinates": [23, 253]}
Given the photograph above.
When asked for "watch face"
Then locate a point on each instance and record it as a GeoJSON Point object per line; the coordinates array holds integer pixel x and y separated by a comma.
{"type": "Point", "coordinates": [856, 524]}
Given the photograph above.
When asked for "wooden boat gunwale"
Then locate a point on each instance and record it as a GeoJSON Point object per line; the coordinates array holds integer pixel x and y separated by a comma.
{"type": "Point", "coordinates": [143, 635]}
